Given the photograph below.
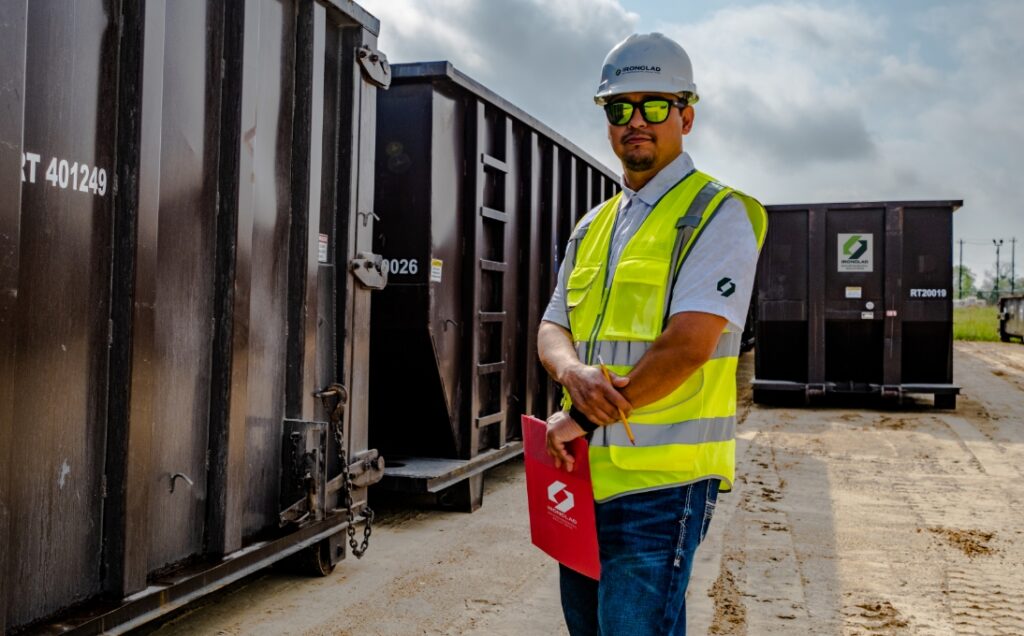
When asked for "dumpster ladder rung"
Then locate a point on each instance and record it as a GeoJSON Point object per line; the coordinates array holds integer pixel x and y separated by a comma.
{"type": "Point", "coordinates": [491, 367]}
{"type": "Point", "coordinates": [489, 419]}
{"type": "Point", "coordinates": [494, 215]}
{"type": "Point", "coordinates": [493, 163]}
{"type": "Point", "coordinates": [493, 266]}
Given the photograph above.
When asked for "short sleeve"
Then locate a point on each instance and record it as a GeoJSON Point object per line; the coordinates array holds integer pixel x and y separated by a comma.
{"type": "Point", "coordinates": [556, 311]}
{"type": "Point", "coordinates": [717, 276]}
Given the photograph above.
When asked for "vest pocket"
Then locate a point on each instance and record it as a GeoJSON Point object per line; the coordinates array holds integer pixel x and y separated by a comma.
{"type": "Point", "coordinates": [578, 285]}
{"type": "Point", "coordinates": [663, 408]}
{"type": "Point", "coordinates": [636, 302]}
{"type": "Point", "coordinates": [667, 458]}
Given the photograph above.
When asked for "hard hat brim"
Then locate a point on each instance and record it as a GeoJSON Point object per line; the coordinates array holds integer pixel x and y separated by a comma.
{"type": "Point", "coordinates": [604, 97]}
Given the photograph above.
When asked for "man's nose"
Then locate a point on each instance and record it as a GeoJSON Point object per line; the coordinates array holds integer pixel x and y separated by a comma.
{"type": "Point", "coordinates": [637, 120]}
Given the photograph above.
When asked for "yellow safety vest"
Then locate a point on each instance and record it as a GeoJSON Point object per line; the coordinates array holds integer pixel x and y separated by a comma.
{"type": "Point", "coordinates": [689, 434]}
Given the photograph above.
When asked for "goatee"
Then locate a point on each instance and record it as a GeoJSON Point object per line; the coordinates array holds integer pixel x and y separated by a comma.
{"type": "Point", "coordinates": [639, 164]}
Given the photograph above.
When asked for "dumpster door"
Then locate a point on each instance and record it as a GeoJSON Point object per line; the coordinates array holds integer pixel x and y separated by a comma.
{"type": "Point", "coordinates": [854, 295]}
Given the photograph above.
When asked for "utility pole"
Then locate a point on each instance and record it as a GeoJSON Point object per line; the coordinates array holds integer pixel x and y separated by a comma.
{"type": "Point", "coordinates": [1013, 266]}
{"type": "Point", "coordinates": [995, 291]}
{"type": "Point", "coordinates": [961, 283]}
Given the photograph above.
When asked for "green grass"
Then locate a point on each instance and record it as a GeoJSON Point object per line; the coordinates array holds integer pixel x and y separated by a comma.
{"type": "Point", "coordinates": [976, 323]}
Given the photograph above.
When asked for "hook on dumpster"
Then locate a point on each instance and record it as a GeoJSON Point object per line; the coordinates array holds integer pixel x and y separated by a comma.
{"type": "Point", "coordinates": [175, 478]}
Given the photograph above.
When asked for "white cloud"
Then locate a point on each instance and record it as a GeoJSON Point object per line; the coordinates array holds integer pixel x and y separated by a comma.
{"type": "Point", "coordinates": [543, 56]}
{"type": "Point", "coordinates": [800, 101]}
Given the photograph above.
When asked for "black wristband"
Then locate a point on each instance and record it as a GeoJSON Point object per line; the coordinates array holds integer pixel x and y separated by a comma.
{"type": "Point", "coordinates": [582, 420]}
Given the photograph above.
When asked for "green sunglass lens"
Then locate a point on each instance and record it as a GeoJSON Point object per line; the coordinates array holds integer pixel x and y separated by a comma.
{"type": "Point", "coordinates": [656, 111]}
{"type": "Point", "coordinates": [620, 113]}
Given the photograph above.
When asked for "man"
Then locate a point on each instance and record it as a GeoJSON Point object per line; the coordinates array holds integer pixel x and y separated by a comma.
{"type": "Point", "coordinates": [655, 284]}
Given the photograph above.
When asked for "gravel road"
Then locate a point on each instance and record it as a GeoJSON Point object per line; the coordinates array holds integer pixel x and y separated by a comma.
{"type": "Point", "coordinates": [845, 520]}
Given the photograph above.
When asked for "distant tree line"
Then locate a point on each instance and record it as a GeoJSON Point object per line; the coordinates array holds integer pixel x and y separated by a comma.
{"type": "Point", "coordinates": [987, 290]}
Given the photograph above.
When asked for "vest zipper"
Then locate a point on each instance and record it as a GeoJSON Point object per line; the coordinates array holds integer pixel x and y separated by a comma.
{"type": "Point", "coordinates": [605, 293]}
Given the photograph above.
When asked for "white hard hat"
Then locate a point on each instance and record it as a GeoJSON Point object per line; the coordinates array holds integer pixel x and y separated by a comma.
{"type": "Point", "coordinates": [646, 63]}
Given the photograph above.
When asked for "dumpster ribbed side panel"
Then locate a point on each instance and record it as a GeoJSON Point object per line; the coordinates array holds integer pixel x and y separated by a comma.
{"type": "Point", "coordinates": [13, 26]}
{"type": "Point", "coordinates": [61, 317]}
{"type": "Point", "coordinates": [267, 185]}
{"type": "Point", "coordinates": [185, 237]}
{"type": "Point", "coordinates": [926, 270]}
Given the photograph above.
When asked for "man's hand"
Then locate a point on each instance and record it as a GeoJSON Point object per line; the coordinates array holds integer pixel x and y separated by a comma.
{"type": "Point", "coordinates": [594, 396]}
{"type": "Point", "coordinates": [591, 393]}
{"type": "Point", "coordinates": [562, 429]}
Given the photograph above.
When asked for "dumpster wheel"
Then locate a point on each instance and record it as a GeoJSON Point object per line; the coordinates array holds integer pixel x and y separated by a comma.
{"type": "Point", "coordinates": [314, 560]}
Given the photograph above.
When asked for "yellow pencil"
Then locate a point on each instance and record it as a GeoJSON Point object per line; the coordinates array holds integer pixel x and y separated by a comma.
{"type": "Point", "coordinates": [622, 416]}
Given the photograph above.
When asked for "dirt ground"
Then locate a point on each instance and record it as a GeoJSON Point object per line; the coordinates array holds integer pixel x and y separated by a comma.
{"type": "Point", "coordinates": [850, 521]}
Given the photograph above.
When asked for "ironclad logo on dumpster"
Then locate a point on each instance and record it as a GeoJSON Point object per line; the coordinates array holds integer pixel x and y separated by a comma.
{"type": "Point", "coordinates": [855, 253]}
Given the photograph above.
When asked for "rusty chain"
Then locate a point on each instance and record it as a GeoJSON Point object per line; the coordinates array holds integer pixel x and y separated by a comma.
{"type": "Point", "coordinates": [337, 414]}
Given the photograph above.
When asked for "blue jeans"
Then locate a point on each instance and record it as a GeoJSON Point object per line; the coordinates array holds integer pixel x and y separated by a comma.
{"type": "Point", "coordinates": [647, 542]}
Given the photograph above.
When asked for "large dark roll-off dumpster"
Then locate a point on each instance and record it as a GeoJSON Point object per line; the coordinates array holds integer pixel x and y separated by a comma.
{"type": "Point", "coordinates": [476, 200]}
{"type": "Point", "coordinates": [856, 298]}
{"type": "Point", "coordinates": [181, 272]}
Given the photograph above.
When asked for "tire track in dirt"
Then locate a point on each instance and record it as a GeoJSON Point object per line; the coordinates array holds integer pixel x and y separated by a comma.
{"type": "Point", "coordinates": [913, 501]}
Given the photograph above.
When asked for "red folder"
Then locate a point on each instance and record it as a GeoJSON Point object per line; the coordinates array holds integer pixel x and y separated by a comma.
{"type": "Point", "coordinates": [561, 503]}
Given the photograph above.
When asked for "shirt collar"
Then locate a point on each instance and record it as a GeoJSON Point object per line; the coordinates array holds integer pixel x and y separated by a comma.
{"type": "Point", "coordinates": [662, 182]}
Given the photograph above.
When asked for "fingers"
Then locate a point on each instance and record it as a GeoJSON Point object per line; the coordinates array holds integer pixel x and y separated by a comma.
{"type": "Point", "coordinates": [619, 401]}
{"type": "Point", "coordinates": [596, 406]}
{"type": "Point", "coordinates": [619, 381]}
{"type": "Point", "coordinates": [598, 398]}
{"type": "Point", "coordinates": [561, 429]}
{"type": "Point", "coordinates": [556, 449]}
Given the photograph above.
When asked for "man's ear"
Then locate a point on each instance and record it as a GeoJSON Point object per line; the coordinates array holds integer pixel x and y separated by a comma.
{"type": "Point", "coordinates": [687, 114]}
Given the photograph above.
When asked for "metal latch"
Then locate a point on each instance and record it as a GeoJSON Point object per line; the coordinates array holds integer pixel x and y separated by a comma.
{"type": "Point", "coordinates": [368, 268]}
{"type": "Point", "coordinates": [366, 469]}
{"type": "Point", "coordinates": [375, 65]}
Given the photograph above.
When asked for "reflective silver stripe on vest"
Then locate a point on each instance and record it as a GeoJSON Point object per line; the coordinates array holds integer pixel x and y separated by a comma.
{"type": "Point", "coordinates": [627, 353]}
{"type": "Point", "coordinates": [715, 429]}
{"type": "Point", "coordinates": [728, 345]}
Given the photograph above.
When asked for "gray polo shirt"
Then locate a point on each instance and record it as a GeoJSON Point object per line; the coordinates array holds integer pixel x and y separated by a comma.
{"type": "Point", "coordinates": [726, 249]}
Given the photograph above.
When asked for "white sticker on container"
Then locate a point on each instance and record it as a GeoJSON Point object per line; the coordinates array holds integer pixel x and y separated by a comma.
{"type": "Point", "coordinates": [854, 292]}
{"type": "Point", "coordinates": [867, 315]}
{"type": "Point", "coordinates": [869, 305]}
{"type": "Point", "coordinates": [890, 313]}
{"type": "Point", "coordinates": [855, 252]}
{"type": "Point", "coordinates": [321, 253]}
{"type": "Point", "coordinates": [436, 266]}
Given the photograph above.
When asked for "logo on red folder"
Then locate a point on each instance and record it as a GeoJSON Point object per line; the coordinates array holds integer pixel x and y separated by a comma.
{"type": "Point", "coordinates": [564, 501]}
{"type": "Point", "coordinates": [567, 502]}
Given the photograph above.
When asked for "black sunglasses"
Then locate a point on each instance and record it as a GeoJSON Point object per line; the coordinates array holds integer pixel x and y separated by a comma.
{"type": "Point", "coordinates": [654, 110]}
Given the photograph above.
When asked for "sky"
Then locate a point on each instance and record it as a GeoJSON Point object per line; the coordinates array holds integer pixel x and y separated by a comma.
{"type": "Point", "coordinates": [800, 101]}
